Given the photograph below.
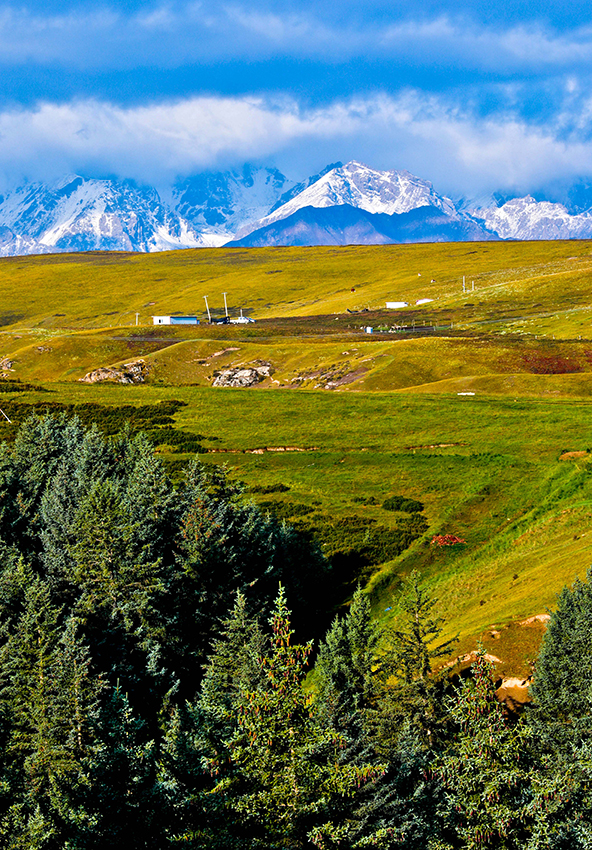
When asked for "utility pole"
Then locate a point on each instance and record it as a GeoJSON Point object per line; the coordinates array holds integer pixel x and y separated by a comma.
{"type": "Point", "coordinates": [137, 314]}
{"type": "Point", "coordinates": [208, 309]}
{"type": "Point", "coordinates": [225, 305]}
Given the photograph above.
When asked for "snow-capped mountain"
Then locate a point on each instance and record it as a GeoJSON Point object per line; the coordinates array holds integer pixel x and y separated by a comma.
{"type": "Point", "coordinates": [358, 186]}
{"type": "Point", "coordinates": [76, 214]}
{"type": "Point", "coordinates": [259, 206]}
{"type": "Point", "coordinates": [220, 203]}
{"type": "Point", "coordinates": [526, 218]}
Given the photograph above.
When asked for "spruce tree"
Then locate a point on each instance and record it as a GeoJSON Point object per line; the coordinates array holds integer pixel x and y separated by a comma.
{"type": "Point", "coordinates": [49, 701]}
{"type": "Point", "coordinates": [485, 769]}
{"type": "Point", "coordinates": [560, 720]}
{"type": "Point", "coordinates": [288, 763]}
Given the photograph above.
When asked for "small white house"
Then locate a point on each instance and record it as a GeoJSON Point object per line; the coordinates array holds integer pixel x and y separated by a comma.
{"type": "Point", "coordinates": [396, 305]}
{"type": "Point", "coordinates": [175, 320]}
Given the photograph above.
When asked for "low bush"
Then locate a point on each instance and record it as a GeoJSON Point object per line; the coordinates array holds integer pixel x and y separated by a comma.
{"type": "Point", "coordinates": [402, 503]}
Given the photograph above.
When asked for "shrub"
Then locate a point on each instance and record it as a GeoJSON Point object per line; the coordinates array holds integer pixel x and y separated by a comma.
{"type": "Point", "coordinates": [402, 503]}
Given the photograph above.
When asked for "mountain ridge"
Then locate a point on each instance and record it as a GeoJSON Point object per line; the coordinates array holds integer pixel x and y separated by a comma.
{"type": "Point", "coordinates": [78, 213]}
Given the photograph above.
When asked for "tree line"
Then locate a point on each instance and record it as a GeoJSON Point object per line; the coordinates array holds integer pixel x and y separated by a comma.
{"type": "Point", "coordinates": [157, 689]}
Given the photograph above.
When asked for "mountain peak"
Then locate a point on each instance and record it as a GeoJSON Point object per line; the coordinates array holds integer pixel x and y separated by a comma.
{"type": "Point", "coordinates": [362, 187]}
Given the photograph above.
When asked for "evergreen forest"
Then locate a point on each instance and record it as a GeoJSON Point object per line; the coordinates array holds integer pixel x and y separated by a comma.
{"type": "Point", "coordinates": [170, 676]}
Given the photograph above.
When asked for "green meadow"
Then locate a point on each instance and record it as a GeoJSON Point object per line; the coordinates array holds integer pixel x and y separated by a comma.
{"type": "Point", "coordinates": [349, 418]}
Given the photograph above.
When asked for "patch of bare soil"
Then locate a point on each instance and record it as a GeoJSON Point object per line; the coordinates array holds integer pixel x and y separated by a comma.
{"type": "Point", "coordinates": [572, 455]}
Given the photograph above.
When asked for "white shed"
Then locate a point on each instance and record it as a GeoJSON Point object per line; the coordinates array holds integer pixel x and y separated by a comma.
{"type": "Point", "coordinates": [396, 305]}
{"type": "Point", "coordinates": [175, 320]}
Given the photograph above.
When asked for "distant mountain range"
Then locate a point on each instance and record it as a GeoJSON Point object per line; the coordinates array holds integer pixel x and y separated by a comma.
{"type": "Point", "coordinates": [256, 206]}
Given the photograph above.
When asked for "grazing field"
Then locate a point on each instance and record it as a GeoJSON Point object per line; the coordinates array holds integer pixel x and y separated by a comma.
{"type": "Point", "coordinates": [347, 419]}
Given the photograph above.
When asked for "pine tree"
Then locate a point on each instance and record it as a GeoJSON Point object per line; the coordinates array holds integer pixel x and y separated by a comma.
{"type": "Point", "coordinates": [288, 763]}
{"type": "Point", "coordinates": [124, 799]}
{"type": "Point", "coordinates": [48, 700]}
{"type": "Point", "coordinates": [345, 667]}
{"type": "Point", "coordinates": [197, 769]}
{"type": "Point", "coordinates": [559, 721]}
{"type": "Point", "coordinates": [485, 770]}
{"type": "Point", "coordinates": [411, 695]}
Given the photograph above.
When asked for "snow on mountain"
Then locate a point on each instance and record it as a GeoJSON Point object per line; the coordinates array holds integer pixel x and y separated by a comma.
{"type": "Point", "coordinates": [526, 218]}
{"type": "Point", "coordinates": [300, 187]}
{"type": "Point", "coordinates": [218, 204]}
{"type": "Point", "coordinates": [211, 209]}
{"type": "Point", "coordinates": [76, 214]}
{"type": "Point", "coordinates": [361, 187]}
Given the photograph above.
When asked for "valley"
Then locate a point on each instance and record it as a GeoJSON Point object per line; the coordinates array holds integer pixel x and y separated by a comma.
{"type": "Point", "coordinates": [475, 403]}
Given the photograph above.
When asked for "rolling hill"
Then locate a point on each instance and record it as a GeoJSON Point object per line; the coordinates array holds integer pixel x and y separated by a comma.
{"type": "Point", "coordinates": [475, 402]}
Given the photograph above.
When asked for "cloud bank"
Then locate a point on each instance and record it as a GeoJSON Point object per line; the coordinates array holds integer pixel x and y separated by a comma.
{"type": "Point", "coordinates": [458, 150]}
{"type": "Point", "coordinates": [175, 34]}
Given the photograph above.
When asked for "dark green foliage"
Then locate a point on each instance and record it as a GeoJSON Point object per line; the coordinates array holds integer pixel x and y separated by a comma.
{"type": "Point", "coordinates": [485, 771]}
{"type": "Point", "coordinates": [289, 764]}
{"type": "Point", "coordinates": [15, 386]}
{"type": "Point", "coordinates": [155, 420]}
{"type": "Point", "coordinates": [355, 543]}
{"type": "Point", "coordinates": [138, 709]}
{"type": "Point", "coordinates": [560, 724]}
{"type": "Point", "coordinates": [345, 666]}
{"type": "Point", "coordinates": [563, 682]}
{"type": "Point", "coordinates": [111, 587]}
{"type": "Point", "coordinates": [286, 510]}
{"type": "Point", "coordinates": [402, 503]}
{"type": "Point", "coordinates": [268, 488]}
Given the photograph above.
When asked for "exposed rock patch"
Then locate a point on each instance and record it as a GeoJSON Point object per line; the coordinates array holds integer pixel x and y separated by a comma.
{"type": "Point", "coordinates": [331, 377]}
{"type": "Point", "coordinates": [242, 376]}
{"type": "Point", "coordinates": [515, 690]}
{"type": "Point", "coordinates": [6, 363]}
{"type": "Point", "coordinates": [129, 373]}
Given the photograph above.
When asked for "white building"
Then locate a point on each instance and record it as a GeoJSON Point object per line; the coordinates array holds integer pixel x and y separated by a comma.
{"type": "Point", "coordinates": [396, 305]}
{"type": "Point", "coordinates": [175, 320]}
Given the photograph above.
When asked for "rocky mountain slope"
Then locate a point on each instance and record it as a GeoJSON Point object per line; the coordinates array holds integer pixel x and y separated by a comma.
{"type": "Point", "coordinates": [218, 204]}
{"type": "Point", "coordinates": [261, 206]}
{"type": "Point", "coordinates": [76, 214]}
{"type": "Point", "coordinates": [344, 224]}
{"type": "Point", "coordinates": [358, 186]}
{"type": "Point", "coordinates": [526, 218]}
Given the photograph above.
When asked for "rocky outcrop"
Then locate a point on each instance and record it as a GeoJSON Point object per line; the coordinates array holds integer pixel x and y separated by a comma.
{"type": "Point", "coordinates": [242, 376]}
{"type": "Point", "coordinates": [129, 373]}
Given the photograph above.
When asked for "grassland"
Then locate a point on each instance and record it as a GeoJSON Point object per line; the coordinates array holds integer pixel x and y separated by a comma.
{"type": "Point", "coordinates": [348, 416]}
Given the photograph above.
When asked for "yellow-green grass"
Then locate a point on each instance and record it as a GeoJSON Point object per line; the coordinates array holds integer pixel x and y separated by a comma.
{"type": "Point", "coordinates": [356, 361]}
{"type": "Point", "coordinates": [65, 315]}
{"type": "Point", "coordinates": [486, 468]}
{"type": "Point", "coordinates": [515, 283]}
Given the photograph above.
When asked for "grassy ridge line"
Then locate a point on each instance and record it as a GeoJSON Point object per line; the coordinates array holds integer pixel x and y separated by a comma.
{"type": "Point", "coordinates": [100, 290]}
{"type": "Point", "coordinates": [356, 361]}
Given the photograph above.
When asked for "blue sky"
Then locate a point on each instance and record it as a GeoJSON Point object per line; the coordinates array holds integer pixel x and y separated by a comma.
{"type": "Point", "coordinates": [472, 95]}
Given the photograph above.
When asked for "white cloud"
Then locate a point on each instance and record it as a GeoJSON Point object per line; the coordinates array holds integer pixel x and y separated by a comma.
{"type": "Point", "coordinates": [456, 150]}
{"type": "Point", "coordinates": [175, 33]}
